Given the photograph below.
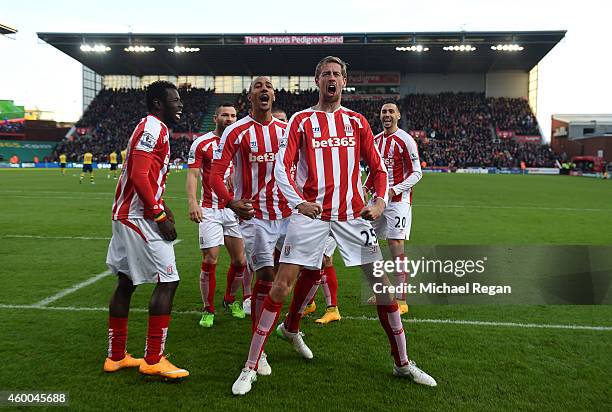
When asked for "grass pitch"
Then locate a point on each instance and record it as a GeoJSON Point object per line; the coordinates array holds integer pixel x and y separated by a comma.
{"type": "Point", "coordinates": [55, 234]}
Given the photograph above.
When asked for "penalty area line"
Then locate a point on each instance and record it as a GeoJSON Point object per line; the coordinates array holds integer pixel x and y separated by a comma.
{"type": "Point", "coordinates": [459, 322]}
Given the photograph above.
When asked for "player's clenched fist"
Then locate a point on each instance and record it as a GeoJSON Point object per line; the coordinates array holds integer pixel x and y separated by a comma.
{"type": "Point", "coordinates": [374, 211]}
{"type": "Point", "coordinates": [166, 227]}
{"type": "Point", "coordinates": [312, 210]}
{"type": "Point", "coordinates": [243, 208]}
{"type": "Point", "coordinates": [195, 212]}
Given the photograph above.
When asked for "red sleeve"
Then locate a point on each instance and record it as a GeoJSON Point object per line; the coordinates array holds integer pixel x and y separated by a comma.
{"type": "Point", "coordinates": [377, 179]}
{"type": "Point", "coordinates": [194, 161]}
{"type": "Point", "coordinates": [288, 155]}
{"type": "Point", "coordinates": [139, 175]}
{"type": "Point", "coordinates": [221, 160]}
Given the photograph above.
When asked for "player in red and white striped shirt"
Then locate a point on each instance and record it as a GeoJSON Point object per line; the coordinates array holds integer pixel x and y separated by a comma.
{"type": "Point", "coordinates": [327, 141]}
{"type": "Point", "coordinates": [252, 144]}
{"type": "Point", "coordinates": [141, 250]}
{"type": "Point", "coordinates": [216, 224]}
{"type": "Point", "coordinates": [401, 156]}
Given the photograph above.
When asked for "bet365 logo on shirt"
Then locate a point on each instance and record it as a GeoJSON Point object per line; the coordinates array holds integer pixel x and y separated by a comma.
{"type": "Point", "coordinates": [333, 142]}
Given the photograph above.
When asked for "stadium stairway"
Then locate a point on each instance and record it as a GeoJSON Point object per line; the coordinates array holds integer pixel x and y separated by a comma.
{"type": "Point", "coordinates": [215, 100]}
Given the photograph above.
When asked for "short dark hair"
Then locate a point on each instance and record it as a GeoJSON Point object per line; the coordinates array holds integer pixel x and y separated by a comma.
{"type": "Point", "coordinates": [389, 101]}
{"type": "Point", "coordinates": [157, 90]}
{"type": "Point", "coordinates": [225, 104]}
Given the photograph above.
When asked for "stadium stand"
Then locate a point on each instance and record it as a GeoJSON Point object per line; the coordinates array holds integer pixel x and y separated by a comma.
{"type": "Point", "coordinates": [112, 115]}
{"type": "Point", "coordinates": [454, 130]}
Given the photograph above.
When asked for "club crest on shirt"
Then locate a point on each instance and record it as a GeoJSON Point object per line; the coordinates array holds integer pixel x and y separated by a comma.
{"type": "Point", "coordinates": [316, 131]}
{"type": "Point", "coordinates": [414, 156]}
{"type": "Point", "coordinates": [287, 250]}
{"type": "Point", "coordinates": [283, 143]}
{"type": "Point", "coordinates": [348, 129]}
{"type": "Point", "coordinates": [253, 144]}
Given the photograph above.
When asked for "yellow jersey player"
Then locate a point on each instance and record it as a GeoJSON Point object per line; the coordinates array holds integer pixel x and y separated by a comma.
{"type": "Point", "coordinates": [62, 162]}
{"type": "Point", "coordinates": [123, 156]}
{"type": "Point", "coordinates": [87, 167]}
{"type": "Point", "coordinates": [112, 159]}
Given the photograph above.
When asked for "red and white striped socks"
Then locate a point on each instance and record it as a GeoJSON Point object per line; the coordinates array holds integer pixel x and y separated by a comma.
{"type": "Point", "coordinates": [156, 338]}
{"type": "Point", "coordinates": [260, 291]}
{"type": "Point", "coordinates": [330, 286]}
{"type": "Point", "coordinates": [234, 280]}
{"type": "Point", "coordinates": [268, 318]}
{"type": "Point", "coordinates": [208, 283]}
{"type": "Point", "coordinates": [400, 279]}
{"type": "Point", "coordinates": [304, 291]}
{"type": "Point", "coordinates": [391, 322]}
{"type": "Point", "coordinates": [117, 337]}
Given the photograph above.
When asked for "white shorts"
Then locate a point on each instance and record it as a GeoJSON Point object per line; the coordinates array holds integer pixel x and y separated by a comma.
{"type": "Point", "coordinates": [306, 241]}
{"type": "Point", "coordinates": [217, 224]}
{"type": "Point", "coordinates": [138, 250]}
{"type": "Point", "coordinates": [395, 222]}
{"type": "Point", "coordinates": [330, 246]}
{"type": "Point", "coordinates": [260, 238]}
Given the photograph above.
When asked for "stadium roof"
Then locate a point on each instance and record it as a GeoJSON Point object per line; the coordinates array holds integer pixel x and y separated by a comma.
{"type": "Point", "coordinates": [6, 29]}
{"type": "Point", "coordinates": [584, 118]}
{"type": "Point", "coordinates": [289, 54]}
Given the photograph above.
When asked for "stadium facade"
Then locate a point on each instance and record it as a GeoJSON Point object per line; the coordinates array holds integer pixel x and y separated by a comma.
{"type": "Point", "coordinates": [498, 64]}
{"type": "Point", "coordinates": [582, 135]}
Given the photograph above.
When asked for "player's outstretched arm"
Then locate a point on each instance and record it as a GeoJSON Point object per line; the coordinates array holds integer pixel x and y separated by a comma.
{"type": "Point", "coordinates": [377, 178]}
{"type": "Point", "coordinates": [412, 156]}
{"type": "Point", "coordinates": [222, 157]}
{"type": "Point", "coordinates": [285, 160]}
{"type": "Point", "coordinates": [191, 187]}
{"type": "Point", "coordinates": [139, 175]}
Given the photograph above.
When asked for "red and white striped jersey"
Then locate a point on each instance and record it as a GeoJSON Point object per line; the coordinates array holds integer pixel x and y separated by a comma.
{"type": "Point", "coordinates": [401, 157]}
{"type": "Point", "coordinates": [151, 139]}
{"type": "Point", "coordinates": [252, 147]}
{"type": "Point", "coordinates": [327, 148]}
{"type": "Point", "coordinates": [201, 157]}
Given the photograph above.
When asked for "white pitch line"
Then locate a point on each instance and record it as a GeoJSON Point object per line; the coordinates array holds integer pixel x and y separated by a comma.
{"type": "Point", "coordinates": [54, 237]}
{"type": "Point", "coordinates": [534, 207]}
{"type": "Point", "coordinates": [363, 318]}
{"type": "Point", "coordinates": [72, 289]}
{"type": "Point", "coordinates": [62, 293]}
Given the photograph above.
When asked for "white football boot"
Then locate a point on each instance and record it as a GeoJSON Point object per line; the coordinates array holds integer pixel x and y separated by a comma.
{"type": "Point", "coordinates": [296, 339]}
{"type": "Point", "coordinates": [243, 384]}
{"type": "Point", "coordinates": [415, 373]}
{"type": "Point", "coordinates": [263, 367]}
{"type": "Point", "coordinates": [246, 306]}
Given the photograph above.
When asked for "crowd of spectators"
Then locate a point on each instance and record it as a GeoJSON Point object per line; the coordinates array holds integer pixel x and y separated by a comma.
{"type": "Point", "coordinates": [11, 127]}
{"type": "Point", "coordinates": [459, 128]}
{"type": "Point", "coordinates": [460, 152]}
{"type": "Point", "coordinates": [113, 114]}
{"type": "Point", "coordinates": [514, 115]}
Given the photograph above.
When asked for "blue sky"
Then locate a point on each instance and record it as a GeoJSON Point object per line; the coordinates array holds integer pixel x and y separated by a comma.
{"type": "Point", "coordinates": [574, 77]}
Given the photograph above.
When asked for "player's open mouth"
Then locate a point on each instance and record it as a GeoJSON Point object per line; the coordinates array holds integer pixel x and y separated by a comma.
{"type": "Point", "coordinates": [264, 98]}
{"type": "Point", "coordinates": [178, 115]}
{"type": "Point", "coordinates": [331, 89]}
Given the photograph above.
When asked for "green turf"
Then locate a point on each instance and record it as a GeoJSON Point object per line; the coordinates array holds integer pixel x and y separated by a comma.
{"type": "Point", "coordinates": [477, 367]}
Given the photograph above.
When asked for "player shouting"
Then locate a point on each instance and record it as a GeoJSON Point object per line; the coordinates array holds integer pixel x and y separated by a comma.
{"type": "Point", "coordinates": [328, 141]}
{"type": "Point", "coordinates": [141, 250]}
{"type": "Point", "coordinates": [252, 144]}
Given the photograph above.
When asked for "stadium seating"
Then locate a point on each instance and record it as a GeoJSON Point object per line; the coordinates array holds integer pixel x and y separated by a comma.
{"type": "Point", "coordinates": [455, 129]}
{"type": "Point", "coordinates": [113, 114]}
